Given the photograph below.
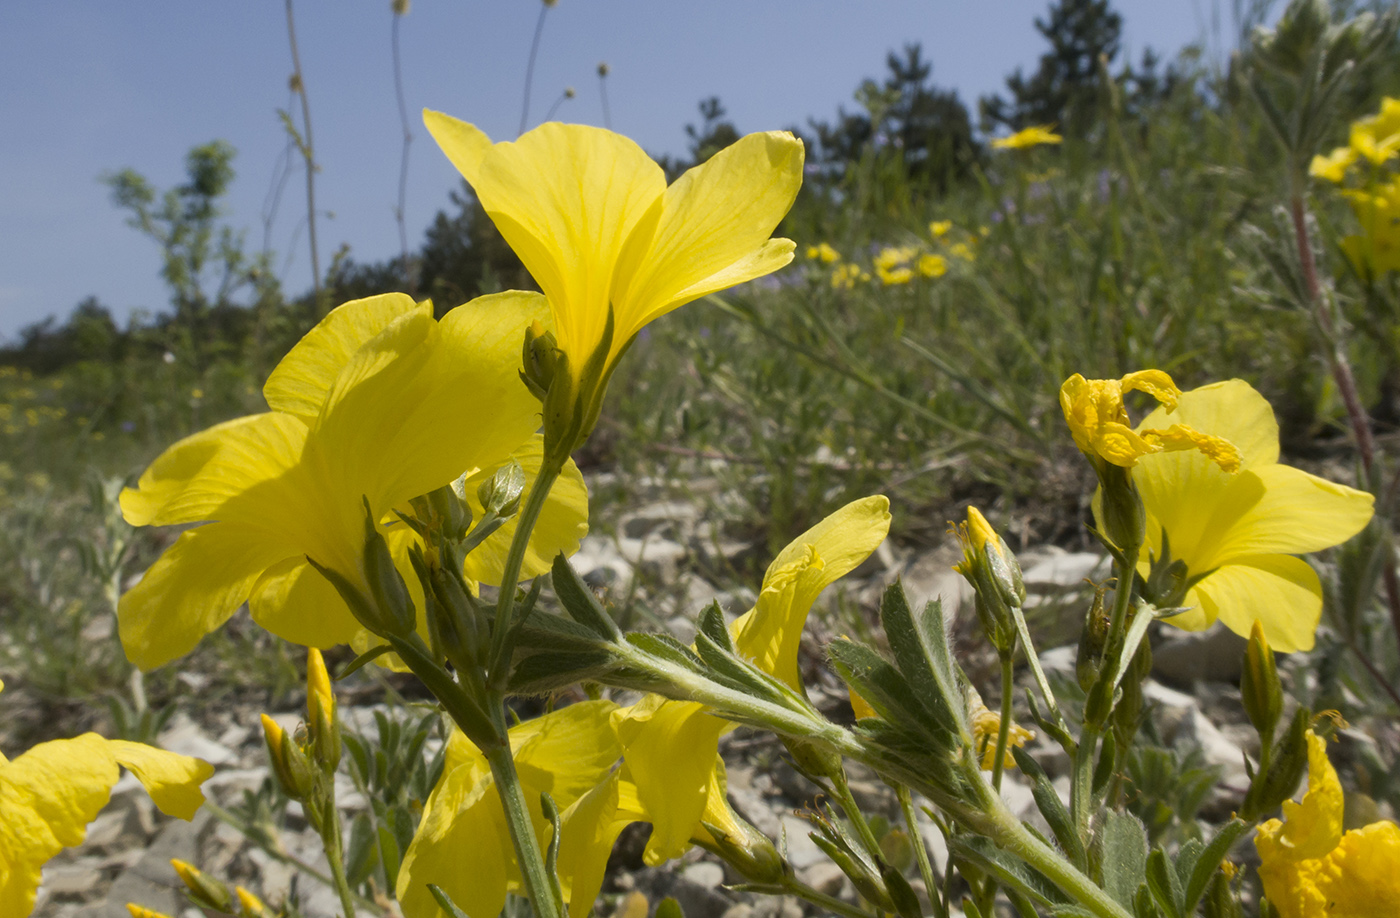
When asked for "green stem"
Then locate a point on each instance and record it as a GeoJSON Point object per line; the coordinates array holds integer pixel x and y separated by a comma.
{"type": "Point", "coordinates": [911, 819]}
{"type": "Point", "coordinates": [335, 855]}
{"type": "Point", "coordinates": [510, 577]}
{"type": "Point", "coordinates": [1023, 632]}
{"type": "Point", "coordinates": [842, 789]}
{"type": "Point", "coordinates": [538, 882]}
{"type": "Point", "coordinates": [1004, 732]}
{"type": "Point", "coordinates": [796, 887]}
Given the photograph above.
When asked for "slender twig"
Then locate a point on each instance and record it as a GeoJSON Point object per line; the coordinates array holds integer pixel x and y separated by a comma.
{"type": "Point", "coordinates": [403, 160]}
{"type": "Point", "coordinates": [911, 819]}
{"type": "Point", "coordinates": [530, 67]}
{"type": "Point", "coordinates": [308, 152]}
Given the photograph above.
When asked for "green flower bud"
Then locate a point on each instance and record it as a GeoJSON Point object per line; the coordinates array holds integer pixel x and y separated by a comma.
{"type": "Point", "coordinates": [540, 357]}
{"type": "Point", "coordinates": [1259, 685]}
{"type": "Point", "coordinates": [500, 494]}
{"type": "Point", "coordinates": [205, 890]}
{"type": "Point", "coordinates": [747, 850]}
{"type": "Point", "coordinates": [1092, 641]}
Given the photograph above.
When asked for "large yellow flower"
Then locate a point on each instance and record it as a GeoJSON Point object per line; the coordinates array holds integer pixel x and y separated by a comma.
{"type": "Point", "coordinates": [377, 403]}
{"type": "Point", "coordinates": [49, 794]}
{"type": "Point", "coordinates": [463, 844]}
{"type": "Point", "coordinates": [1239, 531]}
{"type": "Point", "coordinates": [591, 217]}
{"type": "Point", "coordinates": [670, 746]}
{"type": "Point", "coordinates": [1311, 869]}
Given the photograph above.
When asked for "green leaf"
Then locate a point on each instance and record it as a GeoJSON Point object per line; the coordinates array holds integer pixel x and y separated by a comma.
{"type": "Point", "coordinates": [1124, 856]}
{"type": "Point", "coordinates": [1210, 858]}
{"type": "Point", "coordinates": [711, 624]}
{"type": "Point", "coordinates": [1048, 801]}
{"type": "Point", "coordinates": [669, 908]}
{"type": "Point", "coordinates": [927, 667]}
{"type": "Point", "coordinates": [666, 647]}
{"type": "Point", "coordinates": [737, 673]}
{"type": "Point", "coordinates": [389, 854]}
{"type": "Point", "coordinates": [1009, 870]}
{"type": "Point", "coordinates": [581, 603]}
{"type": "Point", "coordinates": [544, 672]}
{"type": "Point", "coordinates": [362, 854]}
{"type": "Point", "coordinates": [1166, 889]}
{"type": "Point", "coordinates": [887, 691]}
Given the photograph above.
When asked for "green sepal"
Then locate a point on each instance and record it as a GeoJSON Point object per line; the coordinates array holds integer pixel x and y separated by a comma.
{"type": "Point", "coordinates": [1047, 800]}
{"type": "Point", "coordinates": [580, 602]}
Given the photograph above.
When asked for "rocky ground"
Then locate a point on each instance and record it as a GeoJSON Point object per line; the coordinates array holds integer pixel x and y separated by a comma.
{"type": "Point", "coordinates": [1195, 706]}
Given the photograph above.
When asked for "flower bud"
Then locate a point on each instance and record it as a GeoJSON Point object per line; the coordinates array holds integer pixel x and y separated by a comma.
{"type": "Point", "coordinates": [540, 357]}
{"type": "Point", "coordinates": [204, 889]}
{"type": "Point", "coordinates": [252, 906]}
{"type": "Point", "coordinates": [500, 494]}
{"type": "Point", "coordinates": [747, 850]}
{"type": "Point", "coordinates": [289, 762]}
{"type": "Point", "coordinates": [906, 901]}
{"type": "Point", "coordinates": [1092, 641]}
{"type": "Point", "coordinates": [1124, 519]}
{"type": "Point", "coordinates": [995, 575]}
{"type": "Point", "coordinates": [1290, 761]}
{"type": "Point", "coordinates": [387, 589]}
{"type": "Point", "coordinates": [1259, 685]}
{"type": "Point", "coordinates": [321, 719]}
{"type": "Point", "coordinates": [140, 912]}
{"type": "Point", "coordinates": [813, 760]}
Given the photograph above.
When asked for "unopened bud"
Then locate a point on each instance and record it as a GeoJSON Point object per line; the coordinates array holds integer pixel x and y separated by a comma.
{"type": "Point", "coordinates": [289, 763]}
{"type": "Point", "coordinates": [450, 512]}
{"type": "Point", "coordinates": [603, 68]}
{"type": "Point", "coordinates": [387, 590]}
{"type": "Point", "coordinates": [500, 494]}
{"type": "Point", "coordinates": [995, 575]}
{"type": "Point", "coordinates": [204, 889]}
{"type": "Point", "coordinates": [1280, 782]}
{"type": "Point", "coordinates": [812, 759]}
{"type": "Point", "coordinates": [1259, 685]}
{"type": "Point", "coordinates": [1092, 641]}
{"type": "Point", "coordinates": [252, 906]}
{"type": "Point", "coordinates": [138, 911]}
{"type": "Point", "coordinates": [868, 884]}
{"type": "Point", "coordinates": [540, 358]}
{"type": "Point", "coordinates": [747, 850]}
{"type": "Point", "coordinates": [1124, 519]}
{"type": "Point", "coordinates": [321, 718]}
{"type": "Point", "coordinates": [906, 901]}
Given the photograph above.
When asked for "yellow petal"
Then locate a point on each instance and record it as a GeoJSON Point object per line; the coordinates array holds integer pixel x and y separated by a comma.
{"type": "Point", "coordinates": [563, 522]}
{"type": "Point", "coordinates": [465, 144]}
{"type": "Point", "coordinates": [462, 845]}
{"type": "Point", "coordinates": [1180, 437]}
{"type": "Point", "coordinates": [1361, 877]}
{"type": "Point", "coordinates": [302, 380]}
{"type": "Point", "coordinates": [588, 830]}
{"type": "Point", "coordinates": [1281, 591]}
{"type": "Point", "coordinates": [1232, 409]}
{"type": "Point", "coordinates": [48, 795]}
{"type": "Point", "coordinates": [670, 749]}
{"type": "Point", "coordinates": [566, 198]}
{"type": "Point", "coordinates": [199, 477]}
{"type": "Point", "coordinates": [293, 601]}
{"type": "Point", "coordinates": [172, 780]}
{"type": "Point", "coordinates": [1155, 383]}
{"type": "Point", "coordinates": [567, 751]}
{"type": "Point", "coordinates": [770, 633]}
{"type": "Point", "coordinates": [714, 216]}
{"type": "Point", "coordinates": [191, 590]}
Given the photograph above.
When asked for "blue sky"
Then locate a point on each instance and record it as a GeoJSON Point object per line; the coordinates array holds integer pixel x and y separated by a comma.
{"type": "Point", "coordinates": [92, 86]}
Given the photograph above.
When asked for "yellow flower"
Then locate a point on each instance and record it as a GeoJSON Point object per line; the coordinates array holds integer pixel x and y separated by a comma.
{"type": "Point", "coordinates": [1239, 531]}
{"type": "Point", "coordinates": [823, 253]}
{"type": "Point", "coordinates": [933, 265]}
{"type": "Point", "coordinates": [1333, 167]}
{"type": "Point", "coordinates": [891, 277]}
{"type": "Point", "coordinates": [939, 228]}
{"type": "Point", "coordinates": [1310, 869]}
{"type": "Point", "coordinates": [138, 911]}
{"type": "Point", "coordinates": [892, 256]}
{"type": "Point", "coordinates": [986, 728]}
{"type": "Point", "coordinates": [846, 276]}
{"type": "Point", "coordinates": [462, 843]}
{"type": "Point", "coordinates": [1028, 137]}
{"type": "Point", "coordinates": [379, 403]}
{"type": "Point", "coordinates": [1376, 249]}
{"type": "Point", "coordinates": [592, 219]}
{"type": "Point", "coordinates": [670, 746]}
{"type": "Point", "coordinates": [49, 794]}
{"type": "Point", "coordinates": [1377, 138]}
{"type": "Point", "coordinates": [1094, 411]}
{"type": "Point", "coordinates": [962, 250]}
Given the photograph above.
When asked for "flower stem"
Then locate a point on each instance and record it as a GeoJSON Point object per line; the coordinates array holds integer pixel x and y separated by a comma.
{"type": "Point", "coordinates": [911, 819]}
{"type": "Point", "coordinates": [538, 882]}
{"type": "Point", "coordinates": [335, 856]}
{"type": "Point", "coordinates": [510, 577]}
{"type": "Point", "coordinates": [1004, 732]}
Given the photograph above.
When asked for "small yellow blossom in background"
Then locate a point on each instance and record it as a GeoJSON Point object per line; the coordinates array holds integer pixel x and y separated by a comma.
{"type": "Point", "coordinates": [196, 394]}
{"type": "Point", "coordinates": [1098, 420]}
{"type": "Point", "coordinates": [589, 214]}
{"type": "Point", "coordinates": [379, 403]}
{"type": "Point", "coordinates": [1242, 530]}
{"type": "Point", "coordinates": [823, 253]}
{"type": "Point", "coordinates": [1028, 137]}
{"type": "Point", "coordinates": [894, 277]}
{"type": "Point", "coordinates": [986, 728]}
{"type": "Point", "coordinates": [1333, 167]}
{"type": "Point", "coordinates": [931, 265]}
{"type": "Point", "coordinates": [846, 276]}
{"type": "Point", "coordinates": [1311, 869]}
{"type": "Point", "coordinates": [893, 256]}
{"type": "Point", "coordinates": [962, 250]}
{"type": "Point", "coordinates": [939, 228]}
{"type": "Point", "coordinates": [50, 793]}
{"type": "Point", "coordinates": [1376, 249]}
{"type": "Point", "coordinates": [252, 906]}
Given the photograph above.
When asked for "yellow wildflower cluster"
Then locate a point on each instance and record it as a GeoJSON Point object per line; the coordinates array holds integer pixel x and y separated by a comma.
{"type": "Point", "coordinates": [895, 266]}
{"type": "Point", "coordinates": [1373, 145]}
{"type": "Point", "coordinates": [1312, 869]}
{"type": "Point", "coordinates": [27, 404]}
